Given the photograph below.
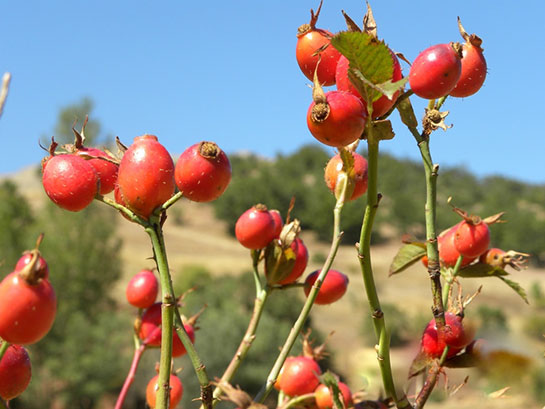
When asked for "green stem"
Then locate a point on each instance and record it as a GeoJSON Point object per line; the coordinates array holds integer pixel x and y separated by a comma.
{"type": "Point", "coordinates": [156, 234]}
{"type": "Point", "coordinates": [133, 217]}
{"type": "Point", "coordinates": [305, 311]}
{"type": "Point", "coordinates": [434, 271]}
{"type": "Point", "coordinates": [167, 315]}
{"type": "Point", "coordinates": [449, 280]}
{"type": "Point", "coordinates": [3, 348]}
{"type": "Point", "coordinates": [249, 336]}
{"type": "Point", "coordinates": [364, 255]}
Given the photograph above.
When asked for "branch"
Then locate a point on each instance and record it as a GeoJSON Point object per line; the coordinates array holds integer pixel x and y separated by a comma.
{"type": "Point", "coordinates": [4, 92]}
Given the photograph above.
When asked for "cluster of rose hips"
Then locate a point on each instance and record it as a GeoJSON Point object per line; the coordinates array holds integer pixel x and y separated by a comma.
{"type": "Point", "coordinates": [28, 306]}
{"type": "Point", "coordinates": [284, 253]}
{"type": "Point", "coordinates": [338, 118]}
{"type": "Point", "coordinates": [142, 180]}
{"type": "Point", "coordinates": [301, 376]}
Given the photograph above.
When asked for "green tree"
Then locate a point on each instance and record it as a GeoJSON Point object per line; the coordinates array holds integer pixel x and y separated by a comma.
{"type": "Point", "coordinates": [15, 221]}
{"type": "Point", "coordinates": [83, 356]}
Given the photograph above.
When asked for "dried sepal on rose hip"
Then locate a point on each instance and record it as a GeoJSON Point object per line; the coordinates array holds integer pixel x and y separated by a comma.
{"type": "Point", "coordinates": [15, 372]}
{"type": "Point", "coordinates": [314, 52]}
{"type": "Point", "coordinates": [203, 172]}
{"type": "Point", "coordinates": [436, 70]}
{"type": "Point", "coordinates": [146, 176]}
{"type": "Point", "coordinates": [335, 118]}
{"type": "Point", "coordinates": [473, 65]}
{"type": "Point", "coordinates": [286, 257]}
{"type": "Point", "coordinates": [28, 303]}
{"type": "Point", "coordinates": [104, 164]}
{"type": "Point", "coordinates": [499, 258]}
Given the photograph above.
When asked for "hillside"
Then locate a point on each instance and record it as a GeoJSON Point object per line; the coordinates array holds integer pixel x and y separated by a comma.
{"type": "Point", "coordinates": [196, 238]}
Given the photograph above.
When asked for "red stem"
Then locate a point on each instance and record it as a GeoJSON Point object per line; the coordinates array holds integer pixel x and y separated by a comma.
{"type": "Point", "coordinates": [130, 376]}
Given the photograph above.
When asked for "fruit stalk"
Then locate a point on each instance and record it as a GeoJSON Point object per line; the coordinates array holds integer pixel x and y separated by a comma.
{"type": "Point", "coordinates": [364, 255]}
{"type": "Point", "coordinates": [305, 311]}
{"type": "Point", "coordinates": [171, 313]}
{"type": "Point", "coordinates": [249, 336]}
{"type": "Point", "coordinates": [130, 376]}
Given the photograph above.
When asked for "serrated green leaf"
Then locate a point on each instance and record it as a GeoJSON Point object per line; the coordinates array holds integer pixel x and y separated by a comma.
{"type": "Point", "coordinates": [516, 286]}
{"type": "Point", "coordinates": [406, 113]}
{"type": "Point", "coordinates": [481, 270]}
{"type": "Point", "coordinates": [366, 54]}
{"type": "Point", "coordinates": [389, 88]}
{"type": "Point", "coordinates": [370, 61]}
{"type": "Point", "coordinates": [407, 255]}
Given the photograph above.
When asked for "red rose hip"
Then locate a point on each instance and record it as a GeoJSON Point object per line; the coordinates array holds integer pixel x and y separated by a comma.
{"type": "Point", "coordinates": [203, 172]}
{"type": "Point", "coordinates": [435, 71]}
{"type": "Point", "coordinates": [15, 372]}
{"type": "Point", "coordinates": [142, 289]}
{"type": "Point", "coordinates": [255, 228]}
{"type": "Point", "coordinates": [70, 181]}
{"type": "Point", "coordinates": [176, 391]}
{"type": "Point", "coordinates": [298, 376]}
{"type": "Point", "coordinates": [313, 45]}
{"type": "Point", "coordinates": [359, 179]}
{"type": "Point", "coordinates": [337, 119]}
{"type": "Point", "coordinates": [332, 289]}
{"type": "Point", "coordinates": [146, 176]}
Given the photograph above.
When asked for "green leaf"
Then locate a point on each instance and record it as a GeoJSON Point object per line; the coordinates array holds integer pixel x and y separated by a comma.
{"type": "Point", "coordinates": [419, 364]}
{"type": "Point", "coordinates": [407, 255]}
{"type": "Point", "coordinates": [481, 270]}
{"type": "Point", "coordinates": [516, 286]}
{"type": "Point", "coordinates": [370, 61]}
{"type": "Point", "coordinates": [406, 113]}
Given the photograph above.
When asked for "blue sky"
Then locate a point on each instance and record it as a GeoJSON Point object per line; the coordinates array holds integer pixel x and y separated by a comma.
{"type": "Point", "coordinates": [226, 71]}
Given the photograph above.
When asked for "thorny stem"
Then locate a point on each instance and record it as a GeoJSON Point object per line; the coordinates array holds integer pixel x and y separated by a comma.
{"type": "Point", "coordinates": [3, 348]}
{"type": "Point", "coordinates": [449, 280]}
{"type": "Point", "coordinates": [169, 315]}
{"type": "Point", "coordinates": [249, 336]}
{"type": "Point", "coordinates": [434, 272]}
{"type": "Point", "coordinates": [130, 376]}
{"type": "Point", "coordinates": [364, 255]}
{"type": "Point", "coordinates": [305, 311]}
{"type": "Point", "coordinates": [431, 380]}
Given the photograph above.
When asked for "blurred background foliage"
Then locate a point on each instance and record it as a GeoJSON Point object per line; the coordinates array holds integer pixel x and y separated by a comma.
{"type": "Point", "coordinates": [401, 182]}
